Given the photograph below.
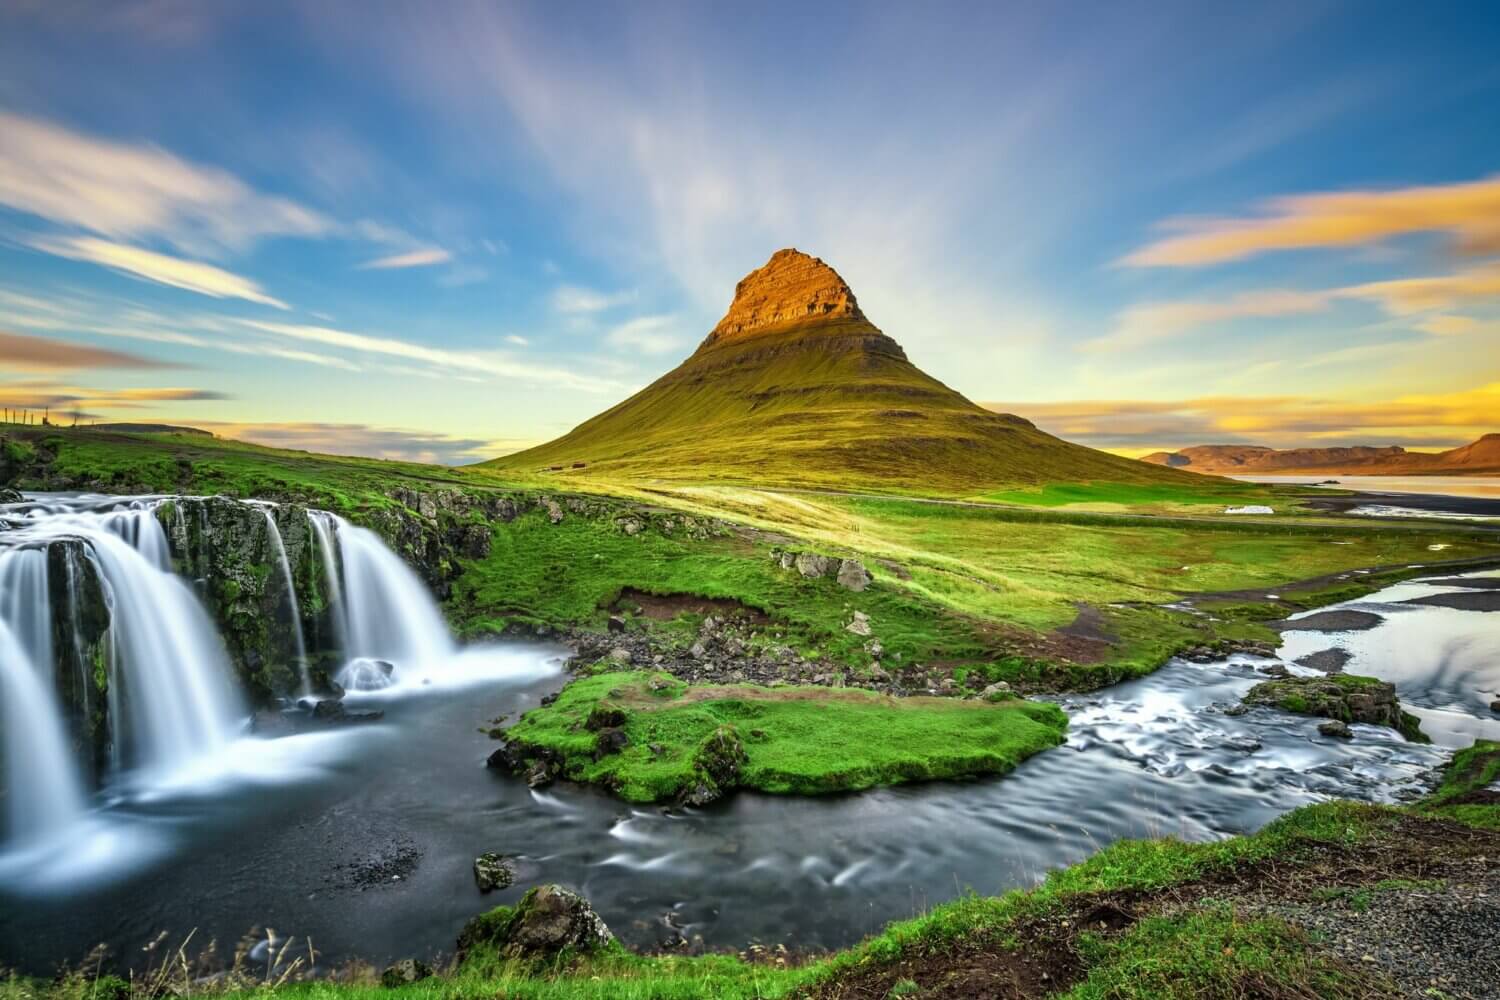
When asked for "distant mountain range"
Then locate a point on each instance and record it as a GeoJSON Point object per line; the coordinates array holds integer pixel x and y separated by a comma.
{"type": "Point", "coordinates": [1482, 457]}
{"type": "Point", "coordinates": [795, 386]}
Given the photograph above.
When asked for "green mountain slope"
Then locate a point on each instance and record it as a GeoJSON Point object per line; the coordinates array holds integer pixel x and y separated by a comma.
{"type": "Point", "coordinates": [795, 387]}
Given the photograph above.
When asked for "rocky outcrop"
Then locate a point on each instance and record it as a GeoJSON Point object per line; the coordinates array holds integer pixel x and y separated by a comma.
{"type": "Point", "coordinates": [792, 288]}
{"type": "Point", "coordinates": [1343, 698]}
{"type": "Point", "coordinates": [548, 921]}
{"type": "Point", "coordinates": [851, 574]}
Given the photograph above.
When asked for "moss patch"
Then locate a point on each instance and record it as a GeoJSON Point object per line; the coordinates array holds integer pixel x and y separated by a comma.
{"type": "Point", "coordinates": [781, 740]}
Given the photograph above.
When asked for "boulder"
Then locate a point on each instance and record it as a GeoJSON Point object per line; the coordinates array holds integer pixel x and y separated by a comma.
{"type": "Point", "coordinates": [8, 495]}
{"type": "Point", "coordinates": [812, 565]}
{"type": "Point", "coordinates": [554, 512]}
{"type": "Point", "coordinates": [475, 542]}
{"type": "Point", "coordinates": [621, 655]}
{"type": "Point", "coordinates": [998, 691]}
{"type": "Point", "coordinates": [331, 710]}
{"type": "Point", "coordinates": [1344, 698]}
{"type": "Point", "coordinates": [547, 921]}
{"type": "Point", "coordinates": [493, 871]}
{"type": "Point", "coordinates": [404, 973]}
{"type": "Point", "coordinates": [859, 624]}
{"type": "Point", "coordinates": [1336, 729]}
{"type": "Point", "coordinates": [853, 575]}
{"type": "Point", "coordinates": [610, 741]}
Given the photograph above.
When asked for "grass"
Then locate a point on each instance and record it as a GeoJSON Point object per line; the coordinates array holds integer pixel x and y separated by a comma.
{"type": "Point", "coordinates": [1156, 497]}
{"type": "Point", "coordinates": [1467, 792]}
{"type": "Point", "coordinates": [793, 740]}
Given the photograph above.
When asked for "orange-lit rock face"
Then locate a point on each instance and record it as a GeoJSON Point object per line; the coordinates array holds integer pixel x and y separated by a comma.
{"type": "Point", "coordinates": [791, 288]}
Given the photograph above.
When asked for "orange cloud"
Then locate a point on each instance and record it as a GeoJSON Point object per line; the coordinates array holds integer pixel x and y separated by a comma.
{"type": "Point", "coordinates": [1403, 296]}
{"type": "Point", "coordinates": [363, 439]}
{"type": "Point", "coordinates": [1469, 212]}
{"type": "Point", "coordinates": [1138, 426]}
{"type": "Point", "coordinates": [1153, 321]}
{"type": "Point", "coordinates": [25, 353]}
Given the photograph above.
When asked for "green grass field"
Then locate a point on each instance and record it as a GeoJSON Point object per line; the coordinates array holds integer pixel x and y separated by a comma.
{"type": "Point", "coordinates": [795, 740]}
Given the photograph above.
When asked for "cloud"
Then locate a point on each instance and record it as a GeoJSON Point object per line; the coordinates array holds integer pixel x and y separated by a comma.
{"type": "Point", "coordinates": [1447, 325]}
{"type": "Point", "coordinates": [20, 352]}
{"type": "Point", "coordinates": [205, 279]}
{"type": "Point", "coordinates": [1469, 212]}
{"type": "Point", "coordinates": [362, 439]}
{"type": "Point", "coordinates": [45, 395]}
{"type": "Point", "coordinates": [425, 257]}
{"type": "Point", "coordinates": [1404, 296]}
{"type": "Point", "coordinates": [139, 191]}
{"type": "Point", "coordinates": [1149, 323]}
{"type": "Point", "coordinates": [647, 334]}
{"type": "Point", "coordinates": [1138, 426]}
{"type": "Point", "coordinates": [573, 299]}
{"type": "Point", "coordinates": [478, 363]}
{"type": "Point", "coordinates": [517, 339]}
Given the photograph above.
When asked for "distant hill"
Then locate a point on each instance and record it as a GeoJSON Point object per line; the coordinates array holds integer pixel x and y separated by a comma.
{"type": "Point", "coordinates": [1482, 457]}
{"type": "Point", "coordinates": [795, 386]}
{"type": "Point", "coordinates": [150, 429]}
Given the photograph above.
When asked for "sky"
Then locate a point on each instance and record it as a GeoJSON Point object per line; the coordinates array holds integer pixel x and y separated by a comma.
{"type": "Point", "coordinates": [445, 231]}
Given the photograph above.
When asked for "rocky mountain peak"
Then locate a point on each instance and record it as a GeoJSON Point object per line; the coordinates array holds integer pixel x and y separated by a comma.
{"type": "Point", "coordinates": [792, 287]}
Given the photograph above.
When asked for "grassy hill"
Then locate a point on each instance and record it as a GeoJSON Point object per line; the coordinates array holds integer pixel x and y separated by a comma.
{"type": "Point", "coordinates": [795, 387]}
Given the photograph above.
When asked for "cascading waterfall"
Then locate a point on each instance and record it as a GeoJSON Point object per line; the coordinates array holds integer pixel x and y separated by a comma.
{"type": "Point", "coordinates": [274, 534]}
{"type": "Point", "coordinates": [153, 665]}
{"type": "Point", "coordinates": [390, 620]}
{"type": "Point", "coordinates": [45, 794]}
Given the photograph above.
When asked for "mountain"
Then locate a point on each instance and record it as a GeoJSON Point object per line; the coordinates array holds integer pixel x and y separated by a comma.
{"type": "Point", "coordinates": [1482, 457]}
{"type": "Point", "coordinates": [795, 386]}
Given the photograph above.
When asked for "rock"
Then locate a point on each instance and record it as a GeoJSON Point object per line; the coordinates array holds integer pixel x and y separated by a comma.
{"type": "Point", "coordinates": [621, 655]}
{"type": "Point", "coordinates": [475, 543]}
{"type": "Point", "coordinates": [812, 565]}
{"type": "Point", "coordinates": [791, 287]}
{"type": "Point", "coordinates": [629, 525]}
{"type": "Point", "coordinates": [1495, 706]}
{"type": "Point", "coordinates": [616, 623]}
{"type": "Point", "coordinates": [8, 495]}
{"type": "Point", "coordinates": [508, 758]}
{"type": "Point", "coordinates": [538, 775]}
{"type": "Point", "coordinates": [1273, 670]}
{"type": "Point", "coordinates": [604, 717]}
{"type": "Point", "coordinates": [859, 624]}
{"type": "Point", "coordinates": [554, 512]}
{"type": "Point", "coordinates": [1237, 709]}
{"type": "Point", "coordinates": [610, 741]}
{"type": "Point", "coordinates": [493, 871]}
{"type": "Point", "coordinates": [1335, 728]}
{"type": "Point", "coordinates": [853, 575]}
{"type": "Point", "coordinates": [1343, 698]}
{"type": "Point", "coordinates": [998, 691]}
{"type": "Point", "coordinates": [404, 973]}
{"type": "Point", "coordinates": [787, 559]}
{"type": "Point", "coordinates": [331, 710]}
{"type": "Point", "coordinates": [547, 921]}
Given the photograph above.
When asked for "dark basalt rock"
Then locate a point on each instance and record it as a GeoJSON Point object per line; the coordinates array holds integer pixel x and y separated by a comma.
{"type": "Point", "coordinates": [547, 921]}
{"type": "Point", "coordinates": [610, 741]}
{"type": "Point", "coordinates": [404, 973]}
{"type": "Point", "coordinates": [493, 871]}
{"type": "Point", "coordinates": [8, 495]}
{"type": "Point", "coordinates": [331, 710]}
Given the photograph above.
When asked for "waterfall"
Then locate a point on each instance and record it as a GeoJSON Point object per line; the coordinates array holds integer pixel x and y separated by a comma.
{"type": "Point", "coordinates": [390, 621]}
{"type": "Point", "coordinates": [291, 597]}
{"type": "Point", "coordinates": [145, 677]}
{"type": "Point", "coordinates": [170, 680]}
{"type": "Point", "coordinates": [44, 793]}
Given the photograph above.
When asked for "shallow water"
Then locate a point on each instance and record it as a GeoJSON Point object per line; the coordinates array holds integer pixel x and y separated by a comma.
{"type": "Point", "coordinates": [1456, 486]}
{"type": "Point", "coordinates": [362, 837]}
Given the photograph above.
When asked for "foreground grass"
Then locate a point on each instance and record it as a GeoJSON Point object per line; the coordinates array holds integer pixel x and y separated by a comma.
{"type": "Point", "coordinates": [782, 740]}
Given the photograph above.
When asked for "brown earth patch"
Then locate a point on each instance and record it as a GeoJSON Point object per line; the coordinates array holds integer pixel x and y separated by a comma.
{"type": "Point", "coordinates": [665, 607]}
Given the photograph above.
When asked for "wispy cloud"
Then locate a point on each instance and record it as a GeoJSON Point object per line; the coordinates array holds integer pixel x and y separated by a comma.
{"type": "Point", "coordinates": [63, 398]}
{"type": "Point", "coordinates": [1469, 212]}
{"type": "Point", "coordinates": [573, 299]}
{"type": "Point", "coordinates": [647, 334]}
{"type": "Point", "coordinates": [20, 352]}
{"type": "Point", "coordinates": [479, 363]}
{"type": "Point", "coordinates": [362, 439]}
{"type": "Point", "coordinates": [191, 275]}
{"type": "Point", "coordinates": [1149, 323]}
{"type": "Point", "coordinates": [138, 191]}
{"type": "Point", "coordinates": [1280, 421]}
{"type": "Point", "coordinates": [1404, 296]}
{"type": "Point", "coordinates": [425, 257]}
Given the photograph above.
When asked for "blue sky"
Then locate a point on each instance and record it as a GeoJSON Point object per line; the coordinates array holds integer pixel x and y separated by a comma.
{"type": "Point", "coordinates": [448, 230]}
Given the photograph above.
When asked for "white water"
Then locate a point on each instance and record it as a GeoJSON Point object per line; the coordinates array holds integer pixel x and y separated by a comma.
{"type": "Point", "coordinates": [178, 722]}
{"type": "Point", "coordinates": [274, 534]}
{"type": "Point", "coordinates": [44, 791]}
{"type": "Point", "coordinates": [390, 618]}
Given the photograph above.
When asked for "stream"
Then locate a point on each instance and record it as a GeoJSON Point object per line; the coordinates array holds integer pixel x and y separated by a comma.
{"type": "Point", "coordinates": [362, 836]}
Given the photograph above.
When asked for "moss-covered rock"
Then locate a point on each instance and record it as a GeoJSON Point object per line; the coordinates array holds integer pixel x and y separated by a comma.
{"type": "Point", "coordinates": [1343, 697]}
{"type": "Point", "coordinates": [548, 921]}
